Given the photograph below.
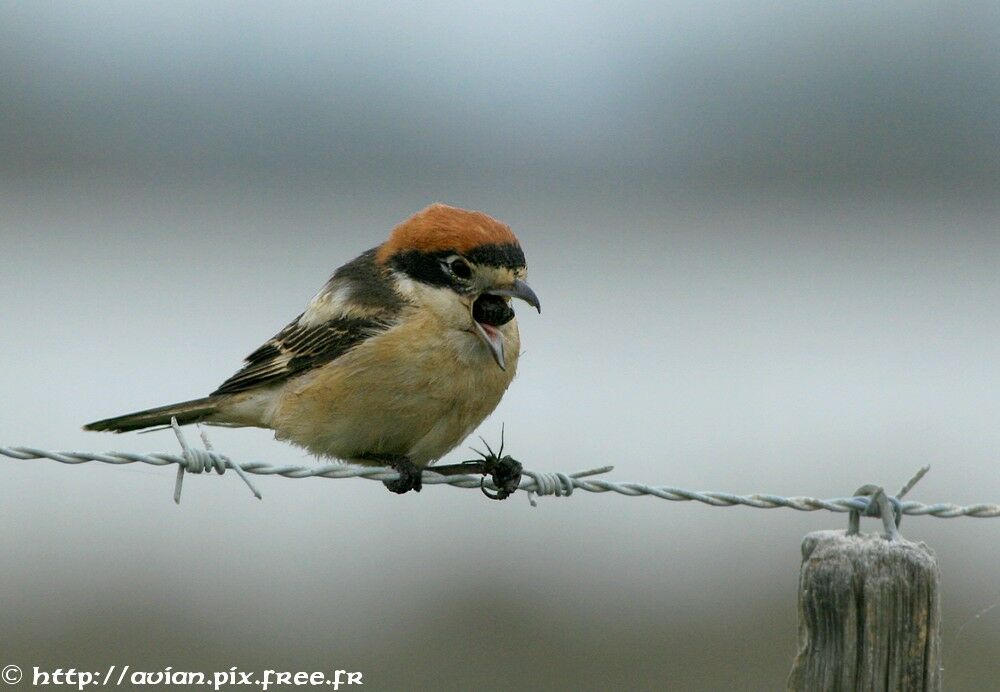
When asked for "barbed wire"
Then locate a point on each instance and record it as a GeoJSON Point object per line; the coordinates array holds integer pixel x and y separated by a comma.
{"type": "Point", "coordinates": [539, 483]}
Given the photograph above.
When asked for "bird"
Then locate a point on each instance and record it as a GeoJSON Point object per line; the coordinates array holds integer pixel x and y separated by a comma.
{"type": "Point", "coordinates": [397, 359]}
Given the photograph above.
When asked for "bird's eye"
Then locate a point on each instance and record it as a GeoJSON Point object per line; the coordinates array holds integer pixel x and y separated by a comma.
{"type": "Point", "coordinates": [460, 268]}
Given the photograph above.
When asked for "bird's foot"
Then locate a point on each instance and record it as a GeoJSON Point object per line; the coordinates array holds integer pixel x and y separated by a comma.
{"type": "Point", "coordinates": [410, 477]}
{"type": "Point", "coordinates": [505, 471]}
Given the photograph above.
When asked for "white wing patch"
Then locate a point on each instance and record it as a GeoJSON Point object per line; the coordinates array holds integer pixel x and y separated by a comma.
{"type": "Point", "coordinates": [356, 304]}
{"type": "Point", "coordinates": [332, 302]}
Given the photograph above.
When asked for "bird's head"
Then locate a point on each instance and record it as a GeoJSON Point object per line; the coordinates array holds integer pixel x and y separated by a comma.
{"type": "Point", "coordinates": [463, 265]}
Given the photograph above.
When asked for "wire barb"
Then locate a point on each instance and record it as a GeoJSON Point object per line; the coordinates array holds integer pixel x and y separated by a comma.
{"type": "Point", "coordinates": [203, 460]}
{"type": "Point", "coordinates": [912, 482]}
{"type": "Point", "coordinates": [532, 482]}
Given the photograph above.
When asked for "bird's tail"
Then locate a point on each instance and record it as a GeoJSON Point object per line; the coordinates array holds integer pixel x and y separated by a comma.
{"type": "Point", "coordinates": [186, 412]}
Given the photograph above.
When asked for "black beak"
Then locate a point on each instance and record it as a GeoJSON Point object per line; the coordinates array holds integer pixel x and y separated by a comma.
{"type": "Point", "coordinates": [488, 332]}
{"type": "Point", "coordinates": [519, 290]}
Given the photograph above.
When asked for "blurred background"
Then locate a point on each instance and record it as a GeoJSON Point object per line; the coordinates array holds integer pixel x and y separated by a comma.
{"type": "Point", "coordinates": [766, 238]}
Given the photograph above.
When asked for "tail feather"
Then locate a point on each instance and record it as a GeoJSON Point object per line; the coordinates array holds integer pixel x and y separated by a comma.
{"type": "Point", "coordinates": [185, 412]}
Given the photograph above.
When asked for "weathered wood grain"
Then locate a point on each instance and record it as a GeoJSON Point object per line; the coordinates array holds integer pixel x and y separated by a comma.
{"type": "Point", "coordinates": [869, 615]}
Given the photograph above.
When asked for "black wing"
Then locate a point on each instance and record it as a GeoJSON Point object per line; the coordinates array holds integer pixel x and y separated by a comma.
{"type": "Point", "coordinates": [296, 349]}
{"type": "Point", "coordinates": [369, 307]}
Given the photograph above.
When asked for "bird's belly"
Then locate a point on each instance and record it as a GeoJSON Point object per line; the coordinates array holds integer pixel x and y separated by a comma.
{"type": "Point", "coordinates": [391, 396]}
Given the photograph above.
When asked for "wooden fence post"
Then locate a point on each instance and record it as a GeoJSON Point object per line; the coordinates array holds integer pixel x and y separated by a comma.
{"type": "Point", "coordinates": [869, 613]}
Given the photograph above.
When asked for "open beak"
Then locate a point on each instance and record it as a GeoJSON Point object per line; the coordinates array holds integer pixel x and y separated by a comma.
{"type": "Point", "coordinates": [493, 339]}
{"type": "Point", "coordinates": [489, 333]}
{"type": "Point", "coordinates": [519, 290]}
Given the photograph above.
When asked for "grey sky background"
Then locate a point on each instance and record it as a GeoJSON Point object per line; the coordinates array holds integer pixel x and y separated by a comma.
{"type": "Point", "coordinates": [767, 244]}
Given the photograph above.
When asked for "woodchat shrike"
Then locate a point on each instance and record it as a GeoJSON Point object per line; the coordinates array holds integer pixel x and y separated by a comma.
{"type": "Point", "coordinates": [400, 356]}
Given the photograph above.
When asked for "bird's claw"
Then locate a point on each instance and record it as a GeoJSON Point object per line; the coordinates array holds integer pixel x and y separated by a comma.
{"type": "Point", "coordinates": [506, 474]}
{"type": "Point", "coordinates": [410, 477]}
{"type": "Point", "coordinates": [505, 470]}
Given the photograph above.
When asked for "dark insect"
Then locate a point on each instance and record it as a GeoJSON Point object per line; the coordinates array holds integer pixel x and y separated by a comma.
{"type": "Point", "coordinates": [492, 310]}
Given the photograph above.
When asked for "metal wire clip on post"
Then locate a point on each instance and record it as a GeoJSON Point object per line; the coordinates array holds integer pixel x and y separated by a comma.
{"type": "Point", "coordinates": [533, 482]}
{"type": "Point", "coordinates": [883, 506]}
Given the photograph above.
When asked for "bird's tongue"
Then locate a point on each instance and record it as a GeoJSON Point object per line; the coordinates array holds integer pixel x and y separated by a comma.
{"type": "Point", "coordinates": [493, 339]}
{"type": "Point", "coordinates": [489, 312]}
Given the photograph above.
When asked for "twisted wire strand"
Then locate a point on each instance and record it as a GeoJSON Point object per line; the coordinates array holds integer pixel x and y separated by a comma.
{"type": "Point", "coordinates": [533, 482]}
